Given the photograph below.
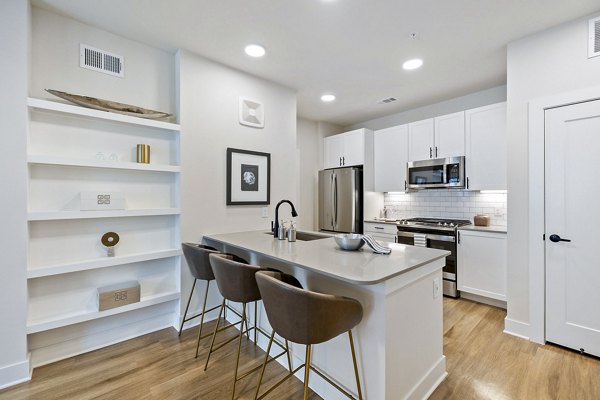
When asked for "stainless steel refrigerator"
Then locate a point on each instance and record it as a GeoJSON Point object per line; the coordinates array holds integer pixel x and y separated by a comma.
{"type": "Point", "coordinates": [341, 200]}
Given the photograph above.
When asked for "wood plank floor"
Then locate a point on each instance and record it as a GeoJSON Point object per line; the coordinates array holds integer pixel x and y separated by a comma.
{"type": "Point", "coordinates": [482, 362]}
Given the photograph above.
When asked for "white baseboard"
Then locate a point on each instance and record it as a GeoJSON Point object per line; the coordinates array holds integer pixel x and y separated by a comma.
{"type": "Point", "coordinates": [516, 328]}
{"type": "Point", "coordinates": [14, 374]}
{"type": "Point", "coordinates": [425, 387]}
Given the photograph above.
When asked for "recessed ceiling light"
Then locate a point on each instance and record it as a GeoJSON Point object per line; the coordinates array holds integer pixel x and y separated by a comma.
{"type": "Point", "coordinates": [327, 98]}
{"type": "Point", "coordinates": [255, 50]}
{"type": "Point", "coordinates": [412, 64]}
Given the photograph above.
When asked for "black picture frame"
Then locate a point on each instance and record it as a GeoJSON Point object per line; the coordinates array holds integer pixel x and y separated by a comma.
{"type": "Point", "coordinates": [250, 189]}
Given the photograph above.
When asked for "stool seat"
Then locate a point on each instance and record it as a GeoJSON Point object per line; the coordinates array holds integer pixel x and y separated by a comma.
{"type": "Point", "coordinates": [308, 318]}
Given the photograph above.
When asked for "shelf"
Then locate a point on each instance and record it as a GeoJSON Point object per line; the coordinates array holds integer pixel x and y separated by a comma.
{"type": "Point", "coordinates": [75, 318]}
{"type": "Point", "coordinates": [104, 115]}
{"type": "Point", "coordinates": [75, 162]}
{"type": "Point", "coordinates": [101, 262]}
{"type": "Point", "coordinates": [61, 215]}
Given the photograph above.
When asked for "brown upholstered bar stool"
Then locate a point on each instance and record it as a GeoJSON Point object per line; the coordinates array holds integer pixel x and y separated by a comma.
{"type": "Point", "coordinates": [196, 256]}
{"type": "Point", "coordinates": [237, 283]}
{"type": "Point", "coordinates": [309, 318]}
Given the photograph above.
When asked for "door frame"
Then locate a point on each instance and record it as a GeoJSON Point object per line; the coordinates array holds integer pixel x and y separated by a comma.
{"type": "Point", "coordinates": [537, 250]}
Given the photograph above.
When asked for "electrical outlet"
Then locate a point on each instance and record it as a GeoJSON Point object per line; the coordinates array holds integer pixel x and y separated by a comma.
{"type": "Point", "coordinates": [264, 212]}
{"type": "Point", "coordinates": [436, 288]}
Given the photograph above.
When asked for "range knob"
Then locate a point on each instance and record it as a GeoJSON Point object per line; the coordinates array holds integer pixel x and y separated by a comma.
{"type": "Point", "coordinates": [446, 224]}
{"type": "Point", "coordinates": [440, 224]}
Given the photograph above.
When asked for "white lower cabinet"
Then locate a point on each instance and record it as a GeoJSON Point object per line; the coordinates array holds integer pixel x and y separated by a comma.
{"type": "Point", "coordinates": [381, 232]}
{"type": "Point", "coordinates": [481, 262]}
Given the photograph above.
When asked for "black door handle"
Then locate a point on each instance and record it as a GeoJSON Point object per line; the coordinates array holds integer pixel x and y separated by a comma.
{"type": "Point", "coordinates": [555, 238]}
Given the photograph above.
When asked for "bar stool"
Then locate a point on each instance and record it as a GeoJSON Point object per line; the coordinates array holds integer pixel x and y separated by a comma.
{"type": "Point", "coordinates": [196, 256]}
{"type": "Point", "coordinates": [309, 318]}
{"type": "Point", "coordinates": [237, 283]}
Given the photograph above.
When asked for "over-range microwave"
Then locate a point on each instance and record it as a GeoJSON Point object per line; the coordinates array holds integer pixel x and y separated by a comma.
{"type": "Point", "coordinates": [436, 173]}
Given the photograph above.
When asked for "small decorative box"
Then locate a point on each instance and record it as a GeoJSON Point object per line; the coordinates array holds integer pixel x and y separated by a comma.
{"type": "Point", "coordinates": [481, 220]}
{"type": "Point", "coordinates": [118, 295]}
{"type": "Point", "coordinates": [93, 201]}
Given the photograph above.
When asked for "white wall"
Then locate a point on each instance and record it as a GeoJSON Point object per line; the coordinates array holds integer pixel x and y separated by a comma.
{"type": "Point", "coordinates": [149, 73]}
{"type": "Point", "coordinates": [208, 95]}
{"type": "Point", "coordinates": [473, 100]}
{"type": "Point", "coordinates": [14, 31]}
{"type": "Point", "coordinates": [310, 136]}
{"type": "Point", "coordinates": [543, 64]}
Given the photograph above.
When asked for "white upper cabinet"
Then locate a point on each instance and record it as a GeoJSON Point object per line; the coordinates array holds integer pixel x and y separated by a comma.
{"type": "Point", "coordinates": [391, 156]}
{"type": "Point", "coordinates": [449, 135]}
{"type": "Point", "coordinates": [344, 150]}
{"type": "Point", "coordinates": [438, 137]}
{"type": "Point", "coordinates": [420, 140]}
{"type": "Point", "coordinates": [486, 147]}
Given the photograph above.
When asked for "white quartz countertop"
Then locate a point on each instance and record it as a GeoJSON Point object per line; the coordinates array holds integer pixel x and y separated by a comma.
{"type": "Point", "coordinates": [382, 221]}
{"type": "Point", "coordinates": [492, 228]}
{"type": "Point", "coordinates": [324, 256]}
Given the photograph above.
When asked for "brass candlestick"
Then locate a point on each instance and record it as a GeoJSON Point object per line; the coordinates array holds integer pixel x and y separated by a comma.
{"type": "Point", "coordinates": [143, 153]}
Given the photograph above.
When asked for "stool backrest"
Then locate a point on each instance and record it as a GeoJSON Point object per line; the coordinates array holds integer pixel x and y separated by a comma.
{"type": "Point", "coordinates": [196, 256]}
{"type": "Point", "coordinates": [235, 279]}
{"type": "Point", "coordinates": [306, 317]}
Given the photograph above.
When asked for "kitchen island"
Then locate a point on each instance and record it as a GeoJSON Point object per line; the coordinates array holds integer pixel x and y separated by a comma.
{"type": "Point", "coordinates": [399, 341]}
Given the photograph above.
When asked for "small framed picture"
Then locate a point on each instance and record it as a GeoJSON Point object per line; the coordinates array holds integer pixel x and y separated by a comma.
{"type": "Point", "coordinates": [248, 177]}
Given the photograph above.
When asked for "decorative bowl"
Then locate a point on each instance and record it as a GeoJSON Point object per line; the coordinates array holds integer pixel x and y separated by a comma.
{"type": "Point", "coordinates": [349, 241]}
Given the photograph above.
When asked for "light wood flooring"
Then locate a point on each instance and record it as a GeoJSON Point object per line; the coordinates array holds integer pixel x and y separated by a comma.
{"type": "Point", "coordinates": [482, 362]}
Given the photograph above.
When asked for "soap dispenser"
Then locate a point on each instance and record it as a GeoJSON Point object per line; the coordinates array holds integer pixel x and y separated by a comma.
{"type": "Point", "coordinates": [291, 233]}
{"type": "Point", "coordinates": [282, 231]}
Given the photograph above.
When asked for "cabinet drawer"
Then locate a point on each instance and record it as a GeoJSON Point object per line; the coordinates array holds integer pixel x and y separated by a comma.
{"type": "Point", "coordinates": [389, 229]}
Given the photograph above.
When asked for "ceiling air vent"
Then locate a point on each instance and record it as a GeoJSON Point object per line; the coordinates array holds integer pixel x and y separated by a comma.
{"type": "Point", "coordinates": [594, 46]}
{"type": "Point", "coordinates": [100, 60]}
{"type": "Point", "coordinates": [387, 100]}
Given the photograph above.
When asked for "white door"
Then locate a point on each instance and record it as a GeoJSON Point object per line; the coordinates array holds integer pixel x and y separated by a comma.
{"type": "Point", "coordinates": [390, 158]}
{"type": "Point", "coordinates": [449, 135]}
{"type": "Point", "coordinates": [572, 192]}
{"type": "Point", "coordinates": [420, 140]}
{"type": "Point", "coordinates": [354, 148]}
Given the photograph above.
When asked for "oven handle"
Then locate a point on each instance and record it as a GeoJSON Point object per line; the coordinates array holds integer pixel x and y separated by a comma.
{"type": "Point", "coordinates": [443, 238]}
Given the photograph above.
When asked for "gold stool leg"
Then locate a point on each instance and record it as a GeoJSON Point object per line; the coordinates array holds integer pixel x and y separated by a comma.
{"type": "Point", "coordinates": [306, 371]}
{"type": "Point", "coordinates": [289, 357]}
{"type": "Point", "coordinates": [255, 319]}
{"type": "Point", "coordinates": [264, 366]}
{"type": "Point", "coordinates": [355, 365]}
{"type": "Point", "coordinates": [202, 318]}
{"type": "Point", "coordinates": [237, 361]}
{"type": "Point", "coordinates": [187, 307]}
{"type": "Point", "coordinates": [212, 342]}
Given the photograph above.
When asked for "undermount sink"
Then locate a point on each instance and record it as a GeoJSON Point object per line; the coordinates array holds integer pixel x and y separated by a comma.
{"type": "Point", "coordinates": [306, 236]}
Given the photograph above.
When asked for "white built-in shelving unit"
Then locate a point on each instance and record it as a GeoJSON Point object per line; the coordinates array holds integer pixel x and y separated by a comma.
{"type": "Point", "coordinates": [73, 149]}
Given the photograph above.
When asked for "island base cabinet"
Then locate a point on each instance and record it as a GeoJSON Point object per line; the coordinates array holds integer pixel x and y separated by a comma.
{"type": "Point", "coordinates": [399, 342]}
{"type": "Point", "coordinates": [482, 264]}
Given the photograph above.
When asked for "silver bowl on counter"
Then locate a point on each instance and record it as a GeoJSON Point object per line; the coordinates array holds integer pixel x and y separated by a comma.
{"type": "Point", "coordinates": [349, 241]}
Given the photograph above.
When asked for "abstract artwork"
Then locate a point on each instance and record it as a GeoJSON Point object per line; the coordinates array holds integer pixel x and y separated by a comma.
{"type": "Point", "coordinates": [248, 177]}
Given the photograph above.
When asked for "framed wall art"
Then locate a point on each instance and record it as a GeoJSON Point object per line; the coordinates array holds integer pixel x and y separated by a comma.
{"type": "Point", "coordinates": [248, 177]}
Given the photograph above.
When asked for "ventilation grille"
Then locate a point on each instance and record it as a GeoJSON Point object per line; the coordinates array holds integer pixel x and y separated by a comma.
{"type": "Point", "coordinates": [387, 100]}
{"type": "Point", "coordinates": [100, 61]}
{"type": "Point", "coordinates": [594, 40]}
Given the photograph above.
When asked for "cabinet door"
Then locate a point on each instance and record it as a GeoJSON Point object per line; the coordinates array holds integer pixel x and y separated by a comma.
{"type": "Point", "coordinates": [449, 135]}
{"type": "Point", "coordinates": [333, 147]}
{"type": "Point", "coordinates": [481, 268]}
{"type": "Point", "coordinates": [420, 140]}
{"type": "Point", "coordinates": [391, 156]}
{"type": "Point", "coordinates": [486, 147]}
{"type": "Point", "coordinates": [353, 148]}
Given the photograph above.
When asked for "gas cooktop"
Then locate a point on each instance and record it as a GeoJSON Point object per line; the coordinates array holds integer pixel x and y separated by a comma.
{"type": "Point", "coordinates": [434, 223]}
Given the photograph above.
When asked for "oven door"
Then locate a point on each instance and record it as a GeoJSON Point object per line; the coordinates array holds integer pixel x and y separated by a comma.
{"type": "Point", "coordinates": [441, 242]}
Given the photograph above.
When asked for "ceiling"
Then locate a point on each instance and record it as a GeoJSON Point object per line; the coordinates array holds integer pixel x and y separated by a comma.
{"type": "Point", "coordinates": [352, 48]}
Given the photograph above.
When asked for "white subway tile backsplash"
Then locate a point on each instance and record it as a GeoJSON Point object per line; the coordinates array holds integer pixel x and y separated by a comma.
{"type": "Point", "coordinates": [447, 203]}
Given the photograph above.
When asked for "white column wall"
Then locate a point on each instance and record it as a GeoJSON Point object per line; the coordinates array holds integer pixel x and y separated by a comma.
{"type": "Point", "coordinates": [208, 109]}
{"type": "Point", "coordinates": [14, 31]}
{"type": "Point", "coordinates": [550, 62]}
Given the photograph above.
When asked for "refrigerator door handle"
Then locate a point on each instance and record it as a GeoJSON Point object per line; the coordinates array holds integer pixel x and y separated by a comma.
{"type": "Point", "coordinates": [332, 201]}
{"type": "Point", "coordinates": [335, 201]}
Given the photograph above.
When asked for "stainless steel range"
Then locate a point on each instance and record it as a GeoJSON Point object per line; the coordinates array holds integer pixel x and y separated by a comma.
{"type": "Point", "coordinates": [437, 233]}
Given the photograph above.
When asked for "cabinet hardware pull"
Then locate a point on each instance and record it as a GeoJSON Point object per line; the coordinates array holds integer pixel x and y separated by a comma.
{"type": "Point", "coordinates": [467, 182]}
{"type": "Point", "coordinates": [436, 152]}
{"type": "Point", "coordinates": [430, 152]}
{"type": "Point", "coordinates": [343, 160]}
{"type": "Point", "coordinates": [405, 185]}
{"type": "Point", "coordinates": [458, 236]}
{"type": "Point", "coordinates": [340, 161]}
{"type": "Point", "coordinates": [378, 227]}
